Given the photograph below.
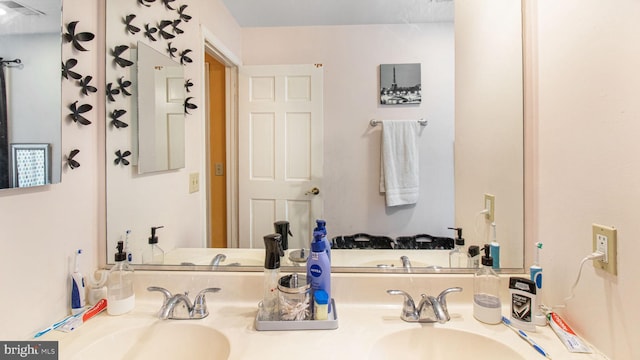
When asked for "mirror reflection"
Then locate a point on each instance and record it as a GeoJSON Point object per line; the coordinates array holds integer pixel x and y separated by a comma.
{"type": "Point", "coordinates": [456, 169]}
{"type": "Point", "coordinates": [30, 53]}
{"type": "Point", "coordinates": [160, 84]}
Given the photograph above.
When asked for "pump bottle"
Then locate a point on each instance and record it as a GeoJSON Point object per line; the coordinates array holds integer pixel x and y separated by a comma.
{"type": "Point", "coordinates": [319, 267]}
{"type": "Point", "coordinates": [120, 296]}
{"type": "Point", "coordinates": [155, 255]}
{"type": "Point", "coordinates": [273, 251]}
{"type": "Point", "coordinates": [458, 258]}
{"type": "Point", "coordinates": [321, 226]}
{"type": "Point", "coordinates": [486, 291]}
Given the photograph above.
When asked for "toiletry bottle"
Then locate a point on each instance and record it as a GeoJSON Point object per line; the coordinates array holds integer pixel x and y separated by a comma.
{"type": "Point", "coordinates": [273, 251]}
{"type": "Point", "coordinates": [77, 287]}
{"type": "Point", "coordinates": [495, 248]}
{"type": "Point", "coordinates": [474, 256]}
{"type": "Point", "coordinates": [120, 296]}
{"type": "Point", "coordinates": [458, 257]}
{"type": "Point", "coordinates": [321, 226]}
{"type": "Point", "coordinates": [486, 292]}
{"type": "Point", "coordinates": [523, 303]}
{"type": "Point", "coordinates": [319, 267]}
{"type": "Point", "coordinates": [283, 228]}
{"type": "Point", "coordinates": [535, 274]}
{"type": "Point", "coordinates": [155, 254]}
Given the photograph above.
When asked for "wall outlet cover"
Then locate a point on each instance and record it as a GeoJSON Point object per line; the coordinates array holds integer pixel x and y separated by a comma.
{"type": "Point", "coordinates": [605, 239]}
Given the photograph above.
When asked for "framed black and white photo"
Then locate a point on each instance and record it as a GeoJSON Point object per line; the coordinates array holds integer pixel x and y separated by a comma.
{"type": "Point", "coordinates": [400, 84]}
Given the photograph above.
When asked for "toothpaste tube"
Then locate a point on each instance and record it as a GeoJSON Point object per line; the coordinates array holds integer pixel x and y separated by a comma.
{"type": "Point", "coordinates": [567, 335]}
{"type": "Point", "coordinates": [91, 312]}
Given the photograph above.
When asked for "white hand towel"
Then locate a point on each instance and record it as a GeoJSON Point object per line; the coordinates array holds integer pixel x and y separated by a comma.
{"type": "Point", "coordinates": [399, 170]}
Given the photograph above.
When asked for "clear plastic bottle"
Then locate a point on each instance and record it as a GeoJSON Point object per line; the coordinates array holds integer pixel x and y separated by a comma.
{"type": "Point", "coordinates": [458, 258]}
{"type": "Point", "coordinates": [120, 296]}
{"type": "Point", "coordinates": [486, 291]}
{"type": "Point", "coordinates": [273, 251]}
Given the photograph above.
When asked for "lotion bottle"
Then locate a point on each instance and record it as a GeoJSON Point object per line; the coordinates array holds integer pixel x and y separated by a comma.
{"type": "Point", "coordinates": [319, 267]}
{"type": "Point", "coordinates": [321, 226]}
{"type": "Point", "coordinates": [273, 250]}
{"type": "Point", "coordinates": [120, 296]}
{"type": "Point", "coordinates": [487, 307]}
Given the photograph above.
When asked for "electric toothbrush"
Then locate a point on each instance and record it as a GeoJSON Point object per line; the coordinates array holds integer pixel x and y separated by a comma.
{"type": "Point", "coordinates": [77, 287]}
{"type": "Point", "coordinates": [535, 272]}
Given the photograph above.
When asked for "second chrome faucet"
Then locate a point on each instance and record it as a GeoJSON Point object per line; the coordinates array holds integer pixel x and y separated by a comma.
{"type": "Point", "coordinates": [430, 309]}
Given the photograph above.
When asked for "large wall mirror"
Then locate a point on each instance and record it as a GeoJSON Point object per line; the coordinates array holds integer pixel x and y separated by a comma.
{"type": "Point", "coordinates": [30, 53]}
{"type": "Point", "coordinates": [470, 53]}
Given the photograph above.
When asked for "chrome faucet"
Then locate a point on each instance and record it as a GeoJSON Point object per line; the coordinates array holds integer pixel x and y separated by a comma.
{"type": "Point", "coordinates": [220, 258]}
{"type": "Point", "coordinates": [406, 263]}
{"type": "Point", "coordinates": [197, 310]}
{"type": "Point", "coordinates": [429, 310]}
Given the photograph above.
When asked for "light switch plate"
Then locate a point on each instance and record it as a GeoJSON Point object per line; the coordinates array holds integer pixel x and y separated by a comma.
{"type": "Point", "coordinates": [490, 204]}
{"type": "Point", "coordinates": [605, 239]}
{"type": "Point", "coordinates": [219, 169]}
{"type": "Point", "coordinates": [194, 182]}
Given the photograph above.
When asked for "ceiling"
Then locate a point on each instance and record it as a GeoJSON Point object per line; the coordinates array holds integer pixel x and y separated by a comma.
{"type": "Point", "coordinates": [260, 13]}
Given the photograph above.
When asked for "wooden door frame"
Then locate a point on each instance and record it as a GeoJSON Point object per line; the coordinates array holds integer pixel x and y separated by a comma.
{"type": "Point", "coordinates": [216, 48]}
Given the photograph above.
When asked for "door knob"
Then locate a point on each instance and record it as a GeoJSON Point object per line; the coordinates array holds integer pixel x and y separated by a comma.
{"type": "Point", "coordinates": [313, 191]}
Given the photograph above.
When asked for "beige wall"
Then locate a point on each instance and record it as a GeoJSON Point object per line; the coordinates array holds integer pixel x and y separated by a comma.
{"type": "Point", "coordinates": [489, 130]}
{"type": "Point", "coordinates": [588, 167]}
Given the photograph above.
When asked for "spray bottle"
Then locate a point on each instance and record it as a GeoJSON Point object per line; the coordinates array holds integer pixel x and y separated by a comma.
{"type": "Point", "coordinates": [77, 287]}
{"type": "Point", "coordinates": [273, 250]}
{"type": "Point", "coordinates": [535, 272]}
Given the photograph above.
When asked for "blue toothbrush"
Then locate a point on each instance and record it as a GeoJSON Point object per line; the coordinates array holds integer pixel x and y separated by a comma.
{"type": "Point", "coordinates": [525, 337]}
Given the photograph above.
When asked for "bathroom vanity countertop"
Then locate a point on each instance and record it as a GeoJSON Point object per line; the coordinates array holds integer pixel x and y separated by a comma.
{"type": "Point", "coordinates": [361, 325]}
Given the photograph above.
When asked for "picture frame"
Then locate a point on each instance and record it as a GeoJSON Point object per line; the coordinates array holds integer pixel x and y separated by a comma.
{"type": "Point", "coordinates": [30, 164]}
{"type": "Point", "coordinates": [400, 84]}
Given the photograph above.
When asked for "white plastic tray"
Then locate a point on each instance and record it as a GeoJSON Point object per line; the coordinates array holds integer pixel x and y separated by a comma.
{"type": "Point", "coordinates": [330, 324]}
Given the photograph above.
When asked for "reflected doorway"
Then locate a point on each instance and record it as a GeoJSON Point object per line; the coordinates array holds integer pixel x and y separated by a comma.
{"type": "Point", "coordinates": [216, 163]}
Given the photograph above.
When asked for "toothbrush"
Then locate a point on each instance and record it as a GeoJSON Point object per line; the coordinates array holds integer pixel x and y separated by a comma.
{"type": "Point", "coordinates": [57, 324]}
{"type": "Point", "coordinates": [126, 246]}
{"type": "Point", "coordinates": [77, 287]}
{"type": "Point", "coordinates": [535, 270]}
{"type": "Point", "coordinates": [525, 337]}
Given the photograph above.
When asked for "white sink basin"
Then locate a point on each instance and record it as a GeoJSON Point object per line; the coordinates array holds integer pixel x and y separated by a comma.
{"type": "Point", "coordinates": [160, 340]}
{"type": "Point", "coordinates": [439, 344]}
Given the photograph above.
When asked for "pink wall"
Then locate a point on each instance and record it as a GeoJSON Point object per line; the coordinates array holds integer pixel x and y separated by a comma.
{"type": "Point", "coordinates": [588, 168]}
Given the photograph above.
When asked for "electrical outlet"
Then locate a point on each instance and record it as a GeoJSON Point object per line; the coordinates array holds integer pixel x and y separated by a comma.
{"type": "Point", "coordinates": [605, 240]}
{"type": "Point", "coordinates": [219, 171]}
{"type": "Point", "coordinates": [194, 182]}
{"type": "Point", "coordinates": [490, 205]}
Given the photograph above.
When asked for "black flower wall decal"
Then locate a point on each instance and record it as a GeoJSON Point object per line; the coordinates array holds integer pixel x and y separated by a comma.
{"type": "Point", "coordinates": [184, 59]}
{"type": "Point", "coordinates": [162, 32]}
{"type": "Point", "coordinates": [70, 159]}
{"type": "Point", "coordinates": [115, 118]}
{"type": "Point", "coordinates": [120, 157]}
{"type": "Point", "coordinates": [77, 111]}
{"type": "Point", "coordinates": [171, 50]}
{"type": "Point", "coordinates": [149, 31]}
{"type": "Point", "coordinates": [75, 38]}
{"type": "Point", "coordinates": [131, 29]}
{"type": "Point", "coordinates": [118, 59]}
{"type": "Point", "coordinates": [187, 85]}
{"type": "Point", "coordinates": [111, 92]}
{"type": "Point", "coordinates": [167, 4]}
{"type": "Point", "coordinates": [123, 85]}
{"type": "Point", "coordinates": [188, 105]}
{"type": "Point", "coordinates": [176, 29]}
{"type": "Point", "coordinates": [146, 3]}
{"type": "Point", "coordinates": [86, 86]}
{"type": "Point", "coordinates": [67, 72]}
{"type": "Point", "coordinates": [183, 16]}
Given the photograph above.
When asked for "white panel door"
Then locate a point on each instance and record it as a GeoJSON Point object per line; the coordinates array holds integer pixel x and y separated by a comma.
{"type": "Point", "coordinates": [280, 151]}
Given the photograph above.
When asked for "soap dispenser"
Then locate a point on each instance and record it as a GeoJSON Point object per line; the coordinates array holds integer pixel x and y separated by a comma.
{"type": "Point", "coordinates": [273, 251]}
{"type": "Point", "coordinates": [120, 296]}
{"type": "Point", "coordinates": [486, 291]}
{"type": "Point", "coordinates": [155, 255]}
{"type": "Point", "coordinates": [458, 258]}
